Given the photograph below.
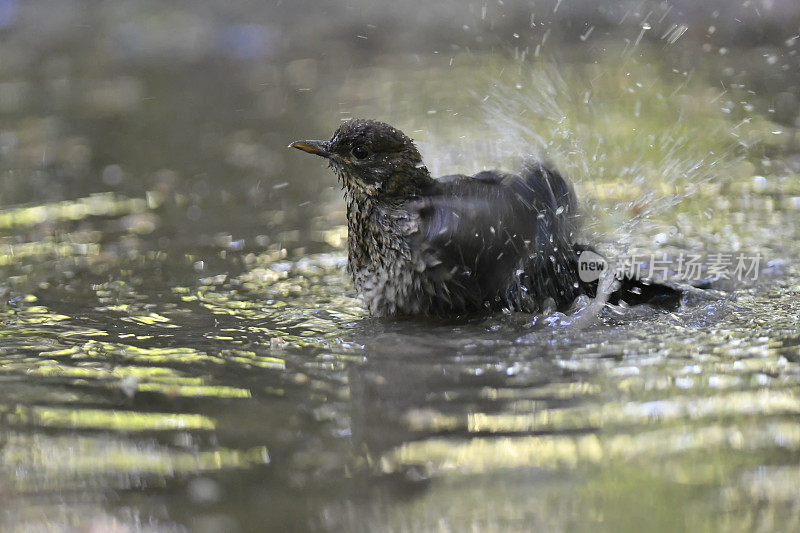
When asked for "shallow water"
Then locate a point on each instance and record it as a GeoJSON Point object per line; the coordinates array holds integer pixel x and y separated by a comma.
{"type": "Point", "coordinates": [182, 347]}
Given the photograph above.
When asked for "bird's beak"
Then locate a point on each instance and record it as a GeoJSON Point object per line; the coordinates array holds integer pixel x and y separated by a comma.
{"type": "Point", "coordinates": [312, 147]}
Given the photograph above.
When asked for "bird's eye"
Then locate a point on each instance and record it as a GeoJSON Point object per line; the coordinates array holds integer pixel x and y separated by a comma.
{"type": "Point", "coordinates": [360, 152]}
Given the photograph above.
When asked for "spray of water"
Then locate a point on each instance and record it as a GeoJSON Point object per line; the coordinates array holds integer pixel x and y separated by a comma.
{"type": "Point", "coordinates": [634, 146]}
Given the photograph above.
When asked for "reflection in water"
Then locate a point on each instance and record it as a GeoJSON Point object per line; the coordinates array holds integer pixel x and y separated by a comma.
{"type": "Point", "coordinates": [187, 351]}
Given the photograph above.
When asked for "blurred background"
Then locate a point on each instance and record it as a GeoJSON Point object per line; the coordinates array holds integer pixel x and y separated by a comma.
{"type": "Point", "coordinates": [182, 349]}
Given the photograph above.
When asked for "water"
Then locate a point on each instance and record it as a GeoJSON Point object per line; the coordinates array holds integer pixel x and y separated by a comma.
{"type": "Point", "coordinates": [183, 350]}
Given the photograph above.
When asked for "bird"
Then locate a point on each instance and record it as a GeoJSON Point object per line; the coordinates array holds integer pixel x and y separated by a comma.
{"type": "Point", "coordinates": [459, 245]}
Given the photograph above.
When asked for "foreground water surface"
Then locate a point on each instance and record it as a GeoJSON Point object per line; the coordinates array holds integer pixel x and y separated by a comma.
{"type": "Point", "coordinates": [181, 347]}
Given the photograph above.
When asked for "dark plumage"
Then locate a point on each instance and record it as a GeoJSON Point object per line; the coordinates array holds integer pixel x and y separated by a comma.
{"type": "Point", "coordinates": [457, 244]}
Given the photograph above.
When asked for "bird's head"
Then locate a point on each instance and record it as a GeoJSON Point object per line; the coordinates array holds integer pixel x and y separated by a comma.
{"type": "Point", "coordinates": [372, 158]}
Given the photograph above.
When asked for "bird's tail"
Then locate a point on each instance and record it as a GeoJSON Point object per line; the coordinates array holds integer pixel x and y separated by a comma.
{"type": "Point", "coordinates": [630, 290]}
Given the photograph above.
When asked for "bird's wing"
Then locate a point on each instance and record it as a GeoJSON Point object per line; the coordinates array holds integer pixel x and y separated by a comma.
{"type": "Point", "coordinates": [478, 234]}
{"type": "Point", "coordinates": [464, 246]}
{"type": "Point", "coordinates": [500, 235]}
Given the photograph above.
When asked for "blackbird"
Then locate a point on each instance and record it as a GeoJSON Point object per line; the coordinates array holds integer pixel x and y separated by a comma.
{"type": "Point", "coordinates": [458, 244]}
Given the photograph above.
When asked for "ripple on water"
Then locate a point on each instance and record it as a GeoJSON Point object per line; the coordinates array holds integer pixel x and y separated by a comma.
{"type": "Point", "coordinates": [249, 377]}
